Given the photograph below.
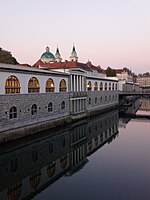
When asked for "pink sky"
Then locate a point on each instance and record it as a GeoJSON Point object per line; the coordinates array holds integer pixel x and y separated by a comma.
{"type": "Point", "coordinates": [107, 32]}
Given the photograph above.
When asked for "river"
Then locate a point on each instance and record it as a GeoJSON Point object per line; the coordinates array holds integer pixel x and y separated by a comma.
{"type": "Point", "coordinates": [106, 157]}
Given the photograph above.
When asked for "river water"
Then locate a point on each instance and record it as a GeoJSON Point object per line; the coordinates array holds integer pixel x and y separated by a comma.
{"type": "Point", "coordinates": [106, 157]}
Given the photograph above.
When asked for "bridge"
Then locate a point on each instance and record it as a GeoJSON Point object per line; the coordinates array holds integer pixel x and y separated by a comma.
{"type": "Point", "coordinates": [123, 94]}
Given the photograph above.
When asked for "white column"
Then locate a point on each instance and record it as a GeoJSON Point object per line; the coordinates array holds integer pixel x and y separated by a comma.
{"type": "Point", "coordinates": [81, 83]}
{"type": "Point", "coordinates": [71, 83]}
{"type": "Point", "coordinates": [74, 83]}
{"type": "Point", "coordinates": [77, 83]}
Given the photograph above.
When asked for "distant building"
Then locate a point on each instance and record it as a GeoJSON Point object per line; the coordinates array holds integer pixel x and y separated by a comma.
{"type": "Point", "coordinates": [144, 82]}
{"type": "Point", "coordinates": [124, 74]}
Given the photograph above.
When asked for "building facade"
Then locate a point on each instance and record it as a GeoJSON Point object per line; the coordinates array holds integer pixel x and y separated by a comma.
{"type": "Point", "coordinates": [51, 93]}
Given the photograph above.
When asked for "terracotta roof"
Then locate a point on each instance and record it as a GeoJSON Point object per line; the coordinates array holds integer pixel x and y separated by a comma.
{"type": "Point", "coordinates": [69, 64]}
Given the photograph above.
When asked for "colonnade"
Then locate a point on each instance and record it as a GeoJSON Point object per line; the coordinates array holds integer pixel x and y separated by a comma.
{"type": "Point", "coordinates": [77, 83]}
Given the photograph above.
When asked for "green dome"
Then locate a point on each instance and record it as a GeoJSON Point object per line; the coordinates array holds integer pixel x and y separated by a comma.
{"type": "Point", "coordinates": [47, 54]}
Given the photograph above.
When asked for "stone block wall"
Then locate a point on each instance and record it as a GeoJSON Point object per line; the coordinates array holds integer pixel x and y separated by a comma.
{"type": "Point", "coordinates": [24, 102]}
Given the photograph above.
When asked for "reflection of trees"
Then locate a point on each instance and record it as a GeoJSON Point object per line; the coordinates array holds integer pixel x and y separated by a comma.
{"type": "Point", "coordinates": [14, 191]}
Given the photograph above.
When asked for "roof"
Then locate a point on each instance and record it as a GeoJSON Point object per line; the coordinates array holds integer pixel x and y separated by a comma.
{"type": "Point", "coordinates": [69, 64]}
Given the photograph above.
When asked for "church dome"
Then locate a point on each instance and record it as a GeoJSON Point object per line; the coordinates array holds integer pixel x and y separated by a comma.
{"type": "Point", "coordinates": [47, 56]}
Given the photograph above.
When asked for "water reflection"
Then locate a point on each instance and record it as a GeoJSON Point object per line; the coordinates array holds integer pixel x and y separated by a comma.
{"type": "Point", "coordinates": [29, 166]}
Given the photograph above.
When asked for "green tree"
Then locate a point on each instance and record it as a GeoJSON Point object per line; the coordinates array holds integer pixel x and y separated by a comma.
{"type": "Point", "coordinates": [6, 57]}
{"type": "Point", "coordinates": [110, 72]}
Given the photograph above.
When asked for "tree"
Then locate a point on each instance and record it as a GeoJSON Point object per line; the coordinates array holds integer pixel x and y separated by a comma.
{"type": "Point", "coordinates": [6, 57]}
{"type": "Point", "coordinates": [110, 72]}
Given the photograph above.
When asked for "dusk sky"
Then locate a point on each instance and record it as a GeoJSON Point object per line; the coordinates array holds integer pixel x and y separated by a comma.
{"type": "Point", "coordinates": [113, 33]}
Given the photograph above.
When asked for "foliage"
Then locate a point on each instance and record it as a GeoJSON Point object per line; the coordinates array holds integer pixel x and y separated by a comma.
{"type": "Point", "coordinates": [110, 72]}
{"type": "Point", "coordinates": [6, 57]}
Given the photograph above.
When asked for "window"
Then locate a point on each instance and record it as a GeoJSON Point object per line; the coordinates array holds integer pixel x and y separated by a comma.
{"type": "Point", "coordinates": [13, 112]}
{"type": "Point", "coordinates": [105, 86]}
{"type": "Point", "coordinates": [62, 105]}
{"type": "Point", "coordinates": [50, 107]}
{"type": "Point", "coordinates": [101, 86]}
{"type": "Point", "coordinates": [89, 86]}
{"type": "Point", "coordinates": [12, 85]}
{"type": "Point", "coordinates": [62, 86]}
{"type": "Point", "coordinates": [50, 85]}
{"type": "Point", "coordinates": [34, 109]}
{"type": "Point", "coordinates": [95, 86]}
{"type": "Point", "coordinates": [33, 85]}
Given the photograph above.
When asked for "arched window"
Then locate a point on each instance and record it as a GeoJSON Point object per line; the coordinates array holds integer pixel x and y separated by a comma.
{"type": "Point", "coordinates": [33, 85]}
{"type": "Point", "coordinates": [105, 86]}
{"type": "Point", "coordinates": [13, 112]}
{"type": "Point", "coordinates": [62, 86]}
{"type": "Point", "coordinates": [34, 109]}
{"type": "Point", "coordinates": [101, 86]}
{"type": "Point", "coordinates": [109, 86]}
{"type": "Point", "coordinates": [50, 107]}
{"type": "Point", "coordinates": [62, 105]}
{"type": "Point", "coordinates": [89, 86]}
{"type": "Point", "coordinates": [95, 86]}
{"type": "Point", "coordinates": [12, 85]}
{"type": "Point", "coordinates": [50, 85]}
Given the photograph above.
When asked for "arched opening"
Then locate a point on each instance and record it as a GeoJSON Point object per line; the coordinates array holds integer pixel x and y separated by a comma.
{"type": "Point", "coordinates": [101, 86]}
{"type": "Point", "coordinates": [113, 86]}
{"type": "Point", "coordinates": [50, 85]}
{"type": "Point", "coordinates": [34, 109]}
{"type": "Point", "coordinates": [51, 169]}
{"type": "Point", "coordinates": [33, 85]}
{"type": "Point", "coordinates": [63, 105]}
{"type": "Point", "coordinates": [63, 161]}
{"type": "Point", "coordinates": [50, 107]}
{"type": "Point", "coordinates": [95, 86]}
{"type": "Point", "coordinates": [12, 85]}
{"type": "Point", "coordinates": [62, 86]}
{"type": "Point", "coordinates": [105, 86]}
{"type": "Point", "coordinates": [13, 112]}
{"type": "Point", "coordinates": [14, 191]}
{"type": "Point", "coordinates": [89, 86]}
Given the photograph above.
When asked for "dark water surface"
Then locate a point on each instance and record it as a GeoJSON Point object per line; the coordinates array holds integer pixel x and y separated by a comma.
{"type": "Point", "coordinates": [106, 158]}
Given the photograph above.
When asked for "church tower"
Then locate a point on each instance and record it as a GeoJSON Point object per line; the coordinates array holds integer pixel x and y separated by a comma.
{"type": "Point", "coordinates": [58, 56]}
{"type": "Point", "coordinates": [74, 56]}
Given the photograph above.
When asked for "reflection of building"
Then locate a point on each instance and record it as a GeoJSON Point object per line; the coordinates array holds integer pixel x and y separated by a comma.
{"type": "Point", "coordinates": [52, 90]}
{"type": "Point", "coordinates": [128, 112]}
{"type": "Point", "coordinates": [49, 158]}
{"type": "Point", "coordinates": [145, 106]}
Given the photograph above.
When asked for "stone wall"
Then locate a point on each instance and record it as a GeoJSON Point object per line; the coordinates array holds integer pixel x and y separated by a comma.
{"type": "Point", "coordinates": [24, 102]}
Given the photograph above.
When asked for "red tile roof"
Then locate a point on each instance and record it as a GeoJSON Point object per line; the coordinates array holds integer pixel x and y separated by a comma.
{"type": "Point", "coordinates": [69, 64]}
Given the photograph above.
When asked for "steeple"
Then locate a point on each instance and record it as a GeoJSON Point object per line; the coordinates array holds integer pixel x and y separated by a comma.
{"type": "Point", "coordinates": [57, 55]}
{"type": "Point", "coordinates": [74, 56]}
